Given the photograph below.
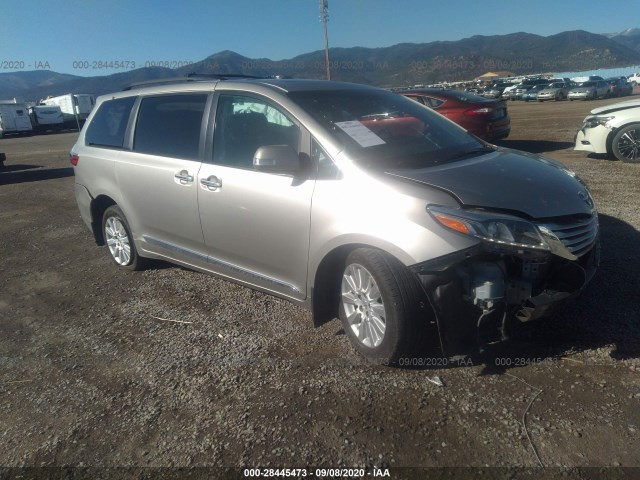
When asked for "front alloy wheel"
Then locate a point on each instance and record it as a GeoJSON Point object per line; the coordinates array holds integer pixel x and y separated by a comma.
{"type": "Point", "coordinates": [382, 307]}
{"type": "Point", "coordinates": [363, 305]}
{"type": "Point", "coordinates": [626, 144]}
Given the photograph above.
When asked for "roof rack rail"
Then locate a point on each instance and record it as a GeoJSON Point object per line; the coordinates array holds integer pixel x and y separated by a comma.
{"type": "Point", "coordinates": [157, 81]}
{"type": "Point", "coordinates": [220, 76]}
{"type": "Point", "coordinates": [190, 77]}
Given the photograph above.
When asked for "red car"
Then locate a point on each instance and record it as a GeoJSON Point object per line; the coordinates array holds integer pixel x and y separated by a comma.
{"type": "Point", "coordinates": [488, 119]}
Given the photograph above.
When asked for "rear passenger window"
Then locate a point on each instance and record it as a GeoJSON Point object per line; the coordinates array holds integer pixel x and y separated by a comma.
{"type": "Point", "coordinates": [170, 125]}
{"type": "Point", "coordinates": [109, 123]}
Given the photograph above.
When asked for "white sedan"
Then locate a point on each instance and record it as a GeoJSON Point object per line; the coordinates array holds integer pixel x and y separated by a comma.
{"type": "Point", "coordinates": [613, 130]}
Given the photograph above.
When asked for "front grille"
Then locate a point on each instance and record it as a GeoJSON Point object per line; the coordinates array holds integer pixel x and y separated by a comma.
{"type": "Point", "coordinates": [577, 232]}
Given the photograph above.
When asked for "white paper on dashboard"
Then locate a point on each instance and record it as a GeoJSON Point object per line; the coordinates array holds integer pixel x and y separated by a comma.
{"type": "Point", "coordinates": [360, 133]}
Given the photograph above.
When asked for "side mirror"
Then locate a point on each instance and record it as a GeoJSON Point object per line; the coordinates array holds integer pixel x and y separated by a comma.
{"type": "Point", "coordinates": [276, 159]}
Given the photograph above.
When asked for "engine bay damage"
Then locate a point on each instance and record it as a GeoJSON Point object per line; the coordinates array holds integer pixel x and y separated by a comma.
{"type": "Point", "coordinates": [479, 294]}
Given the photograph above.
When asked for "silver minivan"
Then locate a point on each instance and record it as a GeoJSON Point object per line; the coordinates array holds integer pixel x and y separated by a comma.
{"type": "Point", "coordinates": [349, 200]}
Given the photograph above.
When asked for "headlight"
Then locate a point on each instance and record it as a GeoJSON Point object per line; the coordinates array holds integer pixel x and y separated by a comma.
{"type": "Point", "coordinates": [592, 122]}
{"type": "Point", "coordinates": [495, 228]}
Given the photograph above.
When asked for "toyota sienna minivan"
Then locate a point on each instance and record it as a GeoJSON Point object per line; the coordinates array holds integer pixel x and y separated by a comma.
{"type": "Point", "coordinates": [351, 201]}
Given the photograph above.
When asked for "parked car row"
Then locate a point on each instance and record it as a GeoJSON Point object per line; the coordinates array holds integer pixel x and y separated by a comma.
{"type": "Point", "coordinates": [542, 89]}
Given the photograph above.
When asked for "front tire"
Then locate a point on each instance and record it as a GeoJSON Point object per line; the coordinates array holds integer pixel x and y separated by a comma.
{"type": "Point", "coordinates": [380, 306]}
{"type": "Point", "coordinates": [625, 145]}
{"type": "Point", "coordinates": [119, 240]}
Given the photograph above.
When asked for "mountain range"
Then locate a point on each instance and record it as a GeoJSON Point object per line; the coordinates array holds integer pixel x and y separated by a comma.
{"type": "Point", "coordinates": [629, 38]}
{"type": "Point", "coordinates": [397, 65]}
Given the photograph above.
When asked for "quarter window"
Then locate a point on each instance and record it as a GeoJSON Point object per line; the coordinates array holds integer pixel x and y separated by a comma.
{"type": "Point", "coordinates": [170, 125]}
{"type": "Point", "coordinates": [433, 102]}
{"type": "Point", "coordinates": [327, 170]}
{"type": "Point", "coordinates": [110, 123]}
{"type": "Point", "coordinates": [243, 124]}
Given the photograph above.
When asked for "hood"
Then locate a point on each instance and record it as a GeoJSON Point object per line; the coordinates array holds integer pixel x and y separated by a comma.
{"type": "Point", "coordinates": [581, 90]}
{"type": "Point", "coordinates": [616, 107]}
{"type": "Point", "coordinates": [507, 180]}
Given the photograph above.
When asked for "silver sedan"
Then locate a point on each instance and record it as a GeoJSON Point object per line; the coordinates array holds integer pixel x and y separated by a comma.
{"type": "Point", "coordinates": [590, 90]}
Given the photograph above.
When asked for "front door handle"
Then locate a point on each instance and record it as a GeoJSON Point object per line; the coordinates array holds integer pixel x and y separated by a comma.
{"type": "Point", "coordinates": [212, 182]}
{"type": "Point", "coordinates": [184, 176]}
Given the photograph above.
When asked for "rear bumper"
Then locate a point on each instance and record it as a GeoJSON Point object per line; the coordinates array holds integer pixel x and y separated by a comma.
{"type": "Point", "coordinates": [492, 130]}
{"type": "Point", "coordinates": [498, 133]}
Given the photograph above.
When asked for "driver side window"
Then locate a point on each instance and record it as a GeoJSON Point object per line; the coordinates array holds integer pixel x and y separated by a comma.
{"type": "Point", "coordinates": [243, 124]}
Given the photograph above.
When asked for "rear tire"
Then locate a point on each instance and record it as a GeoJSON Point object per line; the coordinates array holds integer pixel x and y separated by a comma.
{"type": "Point", "coordinates": [380, 306]}
{"type": "Point", "coordinates": [119, 240]}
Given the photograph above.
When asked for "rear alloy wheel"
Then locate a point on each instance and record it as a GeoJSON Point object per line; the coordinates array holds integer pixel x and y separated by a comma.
{"type": "Point", "coordinates": [380, 306]}
{"type": "Point", "coordinates": [626, 144]}
{"type": "Point", "coordinates": [118, 238]}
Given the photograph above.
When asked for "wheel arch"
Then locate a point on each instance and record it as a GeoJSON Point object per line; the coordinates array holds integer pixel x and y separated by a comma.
{"type": "Point", "coordinates": [326, 285]}
{"type": "Point", "coordinates": [326, 280]}
{"type": "Point", "coordinates": [98, 207]}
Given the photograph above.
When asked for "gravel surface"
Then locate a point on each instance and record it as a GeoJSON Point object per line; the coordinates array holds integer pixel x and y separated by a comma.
{"type": "Point", "coordinates": [173, 368]}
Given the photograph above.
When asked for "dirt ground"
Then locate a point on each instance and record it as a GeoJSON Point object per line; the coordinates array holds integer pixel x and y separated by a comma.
{"type": "Point", "coordinates": [171, 368]}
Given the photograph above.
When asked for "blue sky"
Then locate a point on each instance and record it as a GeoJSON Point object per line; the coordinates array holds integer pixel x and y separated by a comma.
{"type": "Point", "coordinates": [63, 33]}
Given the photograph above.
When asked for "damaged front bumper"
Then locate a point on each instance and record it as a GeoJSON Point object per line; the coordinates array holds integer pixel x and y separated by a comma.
{"type": "Point", "coordinates": [476, 293]}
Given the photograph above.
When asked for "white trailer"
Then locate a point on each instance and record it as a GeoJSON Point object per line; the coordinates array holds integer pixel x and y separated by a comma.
{"type": "Point", "coordinates": [46, 117]}
{"type": "Point", "coordinates": [75, 107]}
{"type": "Point", "coordinates": [14, 118]}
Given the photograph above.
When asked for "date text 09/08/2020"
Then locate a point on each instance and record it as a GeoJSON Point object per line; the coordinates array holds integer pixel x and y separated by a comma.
{"type": "Point", "coordinates": [316, 472]}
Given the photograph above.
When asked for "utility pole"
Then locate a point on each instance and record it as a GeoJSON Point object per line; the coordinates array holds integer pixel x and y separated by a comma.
{"type": "Point", "coordinates": [324, 16]}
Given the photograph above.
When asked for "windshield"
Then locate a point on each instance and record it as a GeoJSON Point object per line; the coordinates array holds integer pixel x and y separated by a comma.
{"type": "Point", "coordinates": [383, 130]}
{"type": "Point", "coordinates": [588, 84]}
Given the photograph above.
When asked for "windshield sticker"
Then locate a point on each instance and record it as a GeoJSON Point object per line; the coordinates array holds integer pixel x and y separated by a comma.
{"type": "Point", "coordinates": [360, 133]}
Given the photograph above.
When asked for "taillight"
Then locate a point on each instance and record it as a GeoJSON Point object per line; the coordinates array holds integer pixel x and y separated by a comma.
{"type": "Point", "coordinates": [479, 111]}
{"type": "Point", "coordinates": [74, 159]}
